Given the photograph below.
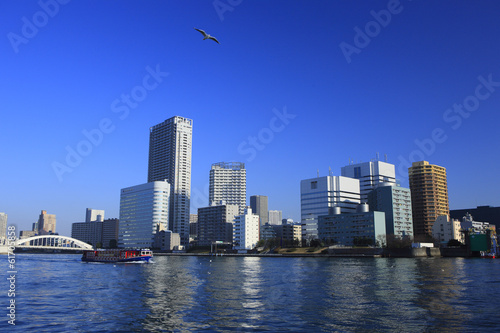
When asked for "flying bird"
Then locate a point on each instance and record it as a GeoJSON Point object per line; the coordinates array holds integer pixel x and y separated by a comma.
{"type": "Point", "coordinates": [207, 36]}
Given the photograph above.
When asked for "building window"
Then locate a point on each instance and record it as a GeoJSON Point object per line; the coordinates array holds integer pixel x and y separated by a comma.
{"type": "Point", "coordinates": [357, 172]}
{"type": "Point", "coordinates": [314, 185]}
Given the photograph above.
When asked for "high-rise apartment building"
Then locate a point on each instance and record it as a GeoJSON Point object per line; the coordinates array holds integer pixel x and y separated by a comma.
{"type": "Point", "coordinates": [143, 211]}
{"type": "Point", "coordinates": [318, 196]}
{"type": "Point", "coordinates": [93, 215]}
{"type": "Point", "coordinates": [395, 202]}
{"type": "Point", "coordinates": [370, 174]}
{"type": "Point", "coordinates": [170, 146]}
{"type": "Point", "coordinates": [429, 196]}
{"type": "Point", "coordinates": [228, 185]}
{"type": "Point", "coordinates": [275, 217]}
{"type": "Point", "coordinates": [258, 203]}
{"type": "Point", "coordinates": [46, 223]}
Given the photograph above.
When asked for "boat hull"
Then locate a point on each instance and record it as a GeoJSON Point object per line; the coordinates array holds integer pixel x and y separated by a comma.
{"type": "Point", "coordinates": [115, 256]}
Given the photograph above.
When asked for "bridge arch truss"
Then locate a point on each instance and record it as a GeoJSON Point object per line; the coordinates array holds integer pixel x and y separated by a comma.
{"type": "Point", "coordinates": [52, 242]}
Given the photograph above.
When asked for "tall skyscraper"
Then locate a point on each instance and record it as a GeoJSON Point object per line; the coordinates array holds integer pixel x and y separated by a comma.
{"type": "Point", "coordinates": [3, 227]}
{"type": "Point", "coordinates": [258, 203]}
{"type": "Point", "coordinates": [275, 217]}
{"type": "Point", "coordinates": [228, 183]}
{"type": "Point", "coordinates": [170, 159]}
{"type": "Point", "coordinates": [93, 215]}
{"type": "Point", "coordinates": [46, 223]}
{"type": "Point", "coordinates": [370, 174]}
{"type": "Point", "coordinates": [143, 211]}
{"type": "Point", "coordinates": [321, 195]}
{"type": "Point", "coordinates": [429, 196]}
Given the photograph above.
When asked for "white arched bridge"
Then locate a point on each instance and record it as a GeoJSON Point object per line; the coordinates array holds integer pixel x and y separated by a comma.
{"type": "Point", "coordinates": [52, 242]}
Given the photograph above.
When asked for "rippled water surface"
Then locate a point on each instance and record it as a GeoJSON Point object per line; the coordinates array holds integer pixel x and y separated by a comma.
{"type": "Point", "coordinates": [59, 293]}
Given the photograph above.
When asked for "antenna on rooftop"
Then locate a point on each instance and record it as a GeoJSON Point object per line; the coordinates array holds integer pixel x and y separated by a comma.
{"type": "Point", "coordinates": [329, 171]}
{"type": "Point", "coordinates": [378, 158]}
{"type": "Point", "coordinates": [385, 157]}
{"type": "Point", "coordinates": [318, 173]}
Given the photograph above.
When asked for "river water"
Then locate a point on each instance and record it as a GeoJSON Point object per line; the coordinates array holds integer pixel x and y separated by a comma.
{"type": "Point", "coordinates": [59, 293]}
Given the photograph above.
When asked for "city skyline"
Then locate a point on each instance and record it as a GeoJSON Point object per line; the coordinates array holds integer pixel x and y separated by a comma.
{"type": "Point", "coordinates": [78, 104]}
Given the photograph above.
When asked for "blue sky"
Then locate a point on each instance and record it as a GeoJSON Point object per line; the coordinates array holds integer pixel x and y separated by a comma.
{"type": "Point", "coordinates": [294, 87]}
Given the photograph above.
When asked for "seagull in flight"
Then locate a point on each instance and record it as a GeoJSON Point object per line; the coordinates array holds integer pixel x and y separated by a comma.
{"type": "Point", "coordinates": [207, 36]}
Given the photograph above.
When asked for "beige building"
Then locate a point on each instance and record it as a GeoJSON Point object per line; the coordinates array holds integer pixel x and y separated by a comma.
{"type": "Point", "coordinates": [46, 223]}
{"type": "Point", "coordinates": [446, 229]}
{"type": "Point", "coordinates": [289, 232]}
{"type": "Point", "coordinates": [167, 240]}
{"type": "Point", "coordinates": [429, 196]}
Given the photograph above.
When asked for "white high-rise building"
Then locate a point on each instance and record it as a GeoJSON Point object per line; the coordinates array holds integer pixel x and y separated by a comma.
{"type": "Point", "coordinates": [94, 215]}
{"type": "Point", "coordinates": [170, 146]}
{"type": "Point", "coordinates": [319, 196]}
{"type": "Point", "coordinates": [142, 209]}
{"type": "Point", "coordinates": [246, 230]}
{"type": "Point", "coordinates": [370, 174]}
{"type": "Point", "coordinates": [275, 217]}
{"type": "Point", "coordinates": [3, 227]}
{"type": "Point", "coordinates": [228, 185]}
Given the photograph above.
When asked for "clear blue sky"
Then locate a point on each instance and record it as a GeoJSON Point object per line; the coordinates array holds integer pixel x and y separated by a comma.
{"type": "Point", "coordinates": [339, 93]}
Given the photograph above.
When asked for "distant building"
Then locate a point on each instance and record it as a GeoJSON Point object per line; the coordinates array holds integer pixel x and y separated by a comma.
{"type": "Point", "coordinates": [228, 183]}
{"type": "Point", "coordinates": [246, 231]}
{"type": "Point", "coordinates": [143, 209]}
{"type": "Point", "coordinates": [445, 229]}
{"type": "Point", "coordinates": [93, 215]}
{"type": "Point", "coordinates": [110, 230]}
{"type": "Point", "coordinates": [258, 203]}
{"type": "Point", "coordinates": [167, 240]}
{"type": "Point", "coordinates": [3, 227]}
{"type": "Point", "coordinates": [275, 217]}
{"type": "Point", "coordinates": [360, 228]}
{"type": "Point", "coordinates": [215, 223]}
{"type": "Point", "coordinates": [88, 232]}
{"type": "Point", "coordinates": [27, 234]}
{"type": "Point", "coordinates": [288, 233]}
{"type": "Point", "coordinates": [370, 174]}
{"type": "Point", "coordinates": [429, 196]}
{"type": "Point", "coordinates": [286, 221]}
{"type": "Point", "coordinates": [170, 146]}
{"type": "Point", "coordinates": [46, 223]}
{"type": "Point", "coordinates": [468, 223]}
{"type": "Point", "coordinates": [267, 232]}
{"type": "Point", "coordinates": [319, 195]}
{"type": "Point", "coordinates": [193, 227]}
{"type": "Point", "coordinates": [395, 202]}
{"type": "Point", "coordinates": [482, 213]}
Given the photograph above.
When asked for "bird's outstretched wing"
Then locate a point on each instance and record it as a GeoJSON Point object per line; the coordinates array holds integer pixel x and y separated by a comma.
{"type": "Point", "coordinates": [202, 32]}
{"type": "Point", "coordinates": [214, 39]}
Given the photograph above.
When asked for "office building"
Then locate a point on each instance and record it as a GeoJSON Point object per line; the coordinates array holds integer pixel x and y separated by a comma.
{"type": "Point", "coordinates": [3, 227]}
{"type": "Point", "coordinates": [228, 184]}
{"type": "Point", "coordinates": [445, 229]}
{"type": "Point", "coordinates": [170, 159]}
{"type": "Point", "coordinates": [289, 234]}
{"type": "Point", "coordinates": [482, 213]}
{"type": "Point", "coordinates": [318, 196]}
{"type": "Point", "coordinates": [275, 217]}
{"type": "Point", "coordinates": [360, 228]}
{"type": "Point", "coordinates": [143, 210]}
{"type": "Point", "coordinates": [88, 232]}
{"type": "Point", "coordinates": [370, 174]}
{"type": "Point", "coordinates": [429, 197]}
{"type": "Point", "coordinates": [46, 224]}
{"type": "Point", "coordinates": [395, 202]}
{"type": "Point", "coordinates": [110, 231]}
{"type": "Point", "coordinates": [258, 203]}
{"type": "Point", "coordinates": [93, 215]}
{"type": "Point", "coordinates": [246, 231]}
{"type": "Point", "coordinates": [167, 240]}
{"type": "Point", "coordinates": [215, 223]}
